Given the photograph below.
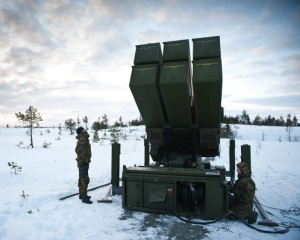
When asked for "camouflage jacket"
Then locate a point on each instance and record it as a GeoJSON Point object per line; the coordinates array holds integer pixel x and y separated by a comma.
{"type": "Point", "coordinates": [245, 190]}
{"type": "Point", "coordinates": [83, 148]}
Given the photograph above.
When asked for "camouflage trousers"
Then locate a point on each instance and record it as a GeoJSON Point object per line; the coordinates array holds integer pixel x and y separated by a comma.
{"type": "Point", "coordinates": [84, 179]}
{"type": "Point", "coordinates": [238, 208]}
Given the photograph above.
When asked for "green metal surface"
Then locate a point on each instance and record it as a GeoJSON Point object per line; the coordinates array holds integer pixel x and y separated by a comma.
{"type": "Point", "coordinates": [192, 172]}
{"type": "Point", "coordinates": [175, 91]}
{"type": "Point", "coordinates": [207, 82]}
{"type": "Point", "coordinates": [213, 199]}
{"type": "Point", "coordinates": [144, 87]}
{"type": "Point", "coordinates": [232, 159]}
{"type": "Point", "coordinates": [148, 53]}
{"type": "Point", "coordinates": [132, 194]}
{"type": "Point", "coordinates": [155, 193]}
{"type": "Point", "coordinates": [172, 106]}
{"type": "Point", "coordinates": [208, 47]}
{"type": "Point", "coordinates": [176, 51]}
{"type": "Point", "coordinates": [146, 152]}
{"type": "Point", "coordinates": [115, 163]}
{"type": "Point", "coordinates": [246, 155]}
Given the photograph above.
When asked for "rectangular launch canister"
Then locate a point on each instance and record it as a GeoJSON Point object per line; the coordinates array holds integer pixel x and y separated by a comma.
{"type": "Point", "coordinates": [208, 47]}
{"type": "Point", "coordinates": [207, 81]}
{"type": "Point", "coordinates": [176, 51]}
{"type": "Point", "coordinates": [148, 53]}
{"type": "Point", "coordinates": [145, 90]}
{"type": "Point", "coordinates": [174, 81]}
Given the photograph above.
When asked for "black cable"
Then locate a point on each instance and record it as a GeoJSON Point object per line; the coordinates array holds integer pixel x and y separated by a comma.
{"type": "Point", "coordinates": [225, 215]}
{"type": "Point", "coordinates": [295, 211]}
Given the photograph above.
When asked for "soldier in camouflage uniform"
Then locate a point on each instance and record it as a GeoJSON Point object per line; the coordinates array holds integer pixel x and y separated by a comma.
{"type": "Point", "coordinates": [244, 191]}
{"type": "Point", "coordinates": [84, 154]}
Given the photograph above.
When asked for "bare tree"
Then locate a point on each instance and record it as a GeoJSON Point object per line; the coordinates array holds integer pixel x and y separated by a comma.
{"type": "Point", "coordinates": [289, 130]}
{"type": "Point", "coordinates": [31, 117]}
{"type": "Point", "coordinates": [78, 121]}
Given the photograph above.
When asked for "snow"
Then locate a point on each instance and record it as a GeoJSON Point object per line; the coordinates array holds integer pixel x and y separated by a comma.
{"type": "Point", "coordinates": [49, 174]}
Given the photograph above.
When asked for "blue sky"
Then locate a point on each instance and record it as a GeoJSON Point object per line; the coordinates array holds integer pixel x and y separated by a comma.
{"type": "Point", "coordinates": [70, 58]}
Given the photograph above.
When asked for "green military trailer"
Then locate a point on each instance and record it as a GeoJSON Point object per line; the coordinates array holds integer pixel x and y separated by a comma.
{"type": "Point", "coordinates": [182, 112]}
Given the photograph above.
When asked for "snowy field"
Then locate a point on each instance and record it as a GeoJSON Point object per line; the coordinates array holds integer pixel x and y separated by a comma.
{"type": "Point", "coordinates": [49, 174]}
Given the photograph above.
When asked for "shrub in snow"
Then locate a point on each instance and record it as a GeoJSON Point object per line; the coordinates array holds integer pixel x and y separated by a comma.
{"type": "Point", "coordinates": [258, 141]}
{"type": "Point", "coordinates": [96, 136]}
{"type": "Point", "coordinates": [59, 128]}
{"type": "Point", "coordinates": [20, 145]}
{"type": "Point", "coordinates": [15, 167]}
{"type": "Point", "coordinates": [46, 145]}
{"type": "Point", "coordinates": [23, 195]}
{"type": "Point", "coordinates": [143, 136]}
{"type": "Point", "coordinates": [263, 136]}
{"type": "Point", "coordinates": [58, 138]}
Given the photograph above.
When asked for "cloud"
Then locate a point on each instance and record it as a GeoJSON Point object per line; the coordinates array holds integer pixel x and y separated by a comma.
{"type": "Point", "coordinates": [65, 14]}
{"type": "Point", "coordinates": [278, 101]}
{"type": "Point", "coordinates": [66, 56]}
{"type": "Point", "coordinates": [24, 25]}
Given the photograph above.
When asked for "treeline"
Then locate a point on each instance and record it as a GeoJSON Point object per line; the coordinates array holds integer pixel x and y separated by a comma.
{"type": "Point", "coordinates": [261, 121]}
{"type": "Point", "coordinates": [101, 123]}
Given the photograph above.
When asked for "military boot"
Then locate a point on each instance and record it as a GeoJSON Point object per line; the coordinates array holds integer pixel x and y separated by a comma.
{"type": "Point", "coordinates": [81, 196]}
{"type": "Point", "coordinates": [86, 199]}
{"type": "Point", "coordinates": [252, 217]}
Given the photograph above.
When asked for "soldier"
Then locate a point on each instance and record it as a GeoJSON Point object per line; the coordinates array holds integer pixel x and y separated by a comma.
{"type": "Point", "coordinates": [84, 154]}
{"type": "Point", "coordinates": [244, 191]}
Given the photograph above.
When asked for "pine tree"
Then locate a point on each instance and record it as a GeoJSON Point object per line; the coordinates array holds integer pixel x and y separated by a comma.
{"type": "Point", "coordinates": [295, 121]}
{"type": "Point", "coordinates": [244, 118]}
{"type": "Point", "coordinates": [227, 131]}
{"type": "Point", "coordinates": [121, 122]}
{"type": "Point", "coordinates": [96, 125]}
{"type": "Point", "coordinates": [32, 117]}
{"type": "Point", "coordinates": [70, 124]}
{"type": "Point", "coordinates": [85, 120]}
{"type": "Point", "coordinates": [289, 120]}
{"type": "Point", "coordinates": [257, 120]}
{"type": "Point", "coordinates": [104, 122]}
{"type": "Point", "coordinates": [115, 134]}
{"type": "Point", "coordinates": [280, 121]}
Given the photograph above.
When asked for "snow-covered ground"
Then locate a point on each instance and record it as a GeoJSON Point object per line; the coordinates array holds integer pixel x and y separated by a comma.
{"type": "Point", "coordinates": [48, 174]}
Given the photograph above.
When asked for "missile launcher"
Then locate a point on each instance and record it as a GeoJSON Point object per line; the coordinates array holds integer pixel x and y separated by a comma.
{"type": "Point", "coordinates": [181, 109]}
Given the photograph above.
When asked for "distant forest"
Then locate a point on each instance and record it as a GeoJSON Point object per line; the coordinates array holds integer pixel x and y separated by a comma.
{"type": "Point", "coordinates": [258, 120]}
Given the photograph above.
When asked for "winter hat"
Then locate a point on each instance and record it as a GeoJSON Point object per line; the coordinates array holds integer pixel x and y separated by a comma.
{"type": "Point", "coordinates": [79, 130]}
{"type": "Point", "coordinates": [243, 166]}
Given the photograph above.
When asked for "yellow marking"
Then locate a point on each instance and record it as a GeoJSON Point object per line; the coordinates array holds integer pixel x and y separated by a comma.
{"type": "Point", "coordinates": [175, 44]}
{"type": "Point", "coordinates": [206, 64]}
{"type": "Point", "coordinates": [143, 69]}
{"type": "Point", "coordinates": [147, 47]}
{"type": "Point", "coordinates": [176, 66]}
{"type": "Point", "coordinates": [207, 41]}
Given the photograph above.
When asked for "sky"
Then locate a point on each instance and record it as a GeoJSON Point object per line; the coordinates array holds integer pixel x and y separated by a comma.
{"type": "Point", "coordinates": [73, 58]}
